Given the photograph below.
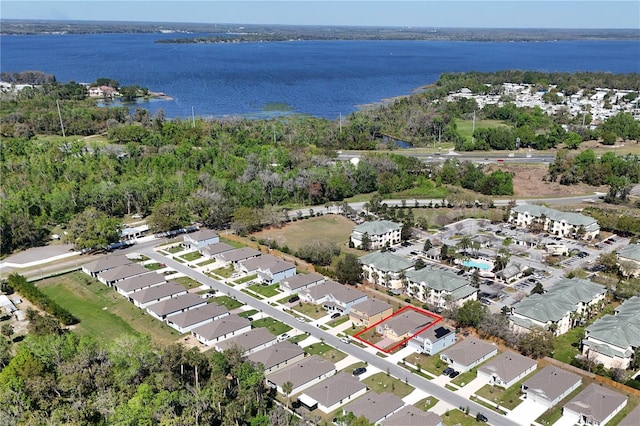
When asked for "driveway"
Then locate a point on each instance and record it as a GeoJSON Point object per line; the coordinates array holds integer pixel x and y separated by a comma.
{"type": "Point", "coordinates": [527, 412]}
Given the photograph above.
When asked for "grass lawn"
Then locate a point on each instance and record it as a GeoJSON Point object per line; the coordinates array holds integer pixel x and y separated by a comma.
{"type": "Point", "coordinates": [227, 302]}
{"type": "Point", "coordinates": [457, 417]}
{"type": "Point", "coordinates": [465, 127]}
{"type": "Point", "coordinates": [207, 262]}
{"type": "Point", "coordinates": [247, 314]}
{"type": "Point", "coordinates": [310, 310]}
{"type": "Point", "coordinates": [252, 294]}
{"type": "Point", "coordinates": [466, 377]}
{"type": "Point", "coordinates": [273, 325]}
{"type": "Point", "coordinates": [340, 320]}
{"type": "Point", "coordinates": [298, 338]}
{"type": "Point", "coordinates": [325, 351]}
{"type": "Point", "coordinates": [286, 299]}
{"type": "Point", "coordinates": [232, 243]}
{"type": "Point", "coordinates": [432, 364]}
{"type": "Point", "coordinates": [191, 256]}
{"type": "Point", "coordinates": [427, 403]}
{"type": "Point", "coordinates": [352, 331]}
{"type": "Point", "coordinates": [175, 249]}
{"type": "Point", "coordinates": [332, 227]}
{"type": "Point", "coordinates": [153, 266]}
{"type": "Point", "coordinates": [224, 272]}
{"type": "Point", "coordinates": [508, 398]}
{"type": "Point", "coordinates": [380, 382]}
{"type": "Point", "coordinates": [102, 312]}
{"type": "Point", "coordinates": [371, 336]}
{"type": "Point", "coordinates": [246, 279]}
{"type": "Point", "coordinates": [265, 290]}
{"type": "Point", "coordinates": [187, 282]}
{"type": "Point", "coordinates": [349, 369]}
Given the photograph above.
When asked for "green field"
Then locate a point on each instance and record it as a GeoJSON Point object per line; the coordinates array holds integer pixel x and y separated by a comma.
{"type": "Point", "coordinates": [103, 313]}
{"type": "Point", "coordinates": [465, 127]}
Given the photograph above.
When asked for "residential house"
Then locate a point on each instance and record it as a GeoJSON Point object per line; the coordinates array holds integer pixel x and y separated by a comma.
{"type": "Point", "coordinates": [563, 224]}
{"type": "Point", "coordinates": [119, 273]}
{"type": "Point", "coordinates": [102, 92]}
{"type": "Point", "coordinates": [629, 260]}
{"type": "Point", "coordinates": [385, 268]}
{"type": "Point", "coordinates": [235, 256]}
{"type": "Point", "coordinates": [103, 264]}
{"type": "Point", "coordinates": [333, 297]}
{"type": "Point", "coordinates": [594, 406]}
{"type": "Point", "coordinates": [278, 356]}
{"type": "Point", "coordinates": [631, 419]}
{"type": "Point", "coordinates": [157, 293]}
{"type": "Point", "coordinates": [249, 342]}
{"type": "Point", "coordinates": [550, 385]}
{"type": "Point", "coordinates": [375, 407]}
{"type": "Point", "coordinates": [139, 282]}
{"type": "Point", "coordinates": [470, 352]}
{"type": "Point", "coordinates": [302, 375]}
{"type": "Point", "coordinates": [614, 339]}
{"type": "Point", "coordinates": [200, 239]}
{"type": "Point", "coordinates": [433, 339]}
{"type": "Point", "coordinates": [223, 328]}
{"type": "Point", "coordinates": [409, 415]}
{"type": "Point", "coordinates": [175, 305]}
{"type": "Point", "coordinates": [512, 273]}
{"type": "Point", "coordinates": [404, 324]}
{"type": "Point", "coordinates": [439, 288]}
{"type": "Point", "coordinates": [506, 369]}
{"type": "Point", "coordinates": [560, 308]}
{"type": "Point", "coordinates": [331, 393]}
{"type": "Point", "coordinates": [381, 233]}
{"type": "Point", "coordinates": [133, 232]}
{"type": "Point", "coordinates": [269, 268]}
{"type": "Point", "coordinates": [300, 282]}
{"type": "Point", "coordinates": [213, 250]}
{"type": "Point", "coordinates": [188, 320]}
{"type": "Point", "coordinates": [370, 312]}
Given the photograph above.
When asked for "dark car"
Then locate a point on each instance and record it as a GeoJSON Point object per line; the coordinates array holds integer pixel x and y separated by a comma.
{"type": "Point", "coordinates": [336, 315]}
{"type": "Point", "coordinates": [293, 299]}
{"type": "Point", "coordinates": [460, 272]}
{"type": "Point", "coordinates": [358, 371]}
{"type": "Point", "coordinates": [448, 371]}
{"type": "Point", "coordinates": [481, 418]}
{"type": "Point", "coordinates": [454, 373]}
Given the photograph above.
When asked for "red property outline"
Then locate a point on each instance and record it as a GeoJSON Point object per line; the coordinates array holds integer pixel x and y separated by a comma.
{"type": "Point", "coordinates": [438, 318]}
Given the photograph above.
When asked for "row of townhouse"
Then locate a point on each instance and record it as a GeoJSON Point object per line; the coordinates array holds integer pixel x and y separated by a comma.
{"type": "Point", "coordinates": [380, 233]}
{"type": "Point", "coordinates": [559, 309]}
{"type": "Point", "coordinates": [555, 222]}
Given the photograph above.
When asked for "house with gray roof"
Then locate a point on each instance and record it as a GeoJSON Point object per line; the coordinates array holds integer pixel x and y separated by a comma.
{"type": "Point", "coordinates": [513, 272]}
{"type": "Point", "coordinates": [613, 339]}
{"type": "Point", "coordinates": [506, 369]}
{"type": "Point", "coordinates": [269, 268]}
{"type": "Point", "coordinates": [139, 282]}
{"type": "Point", "coordinates": [303, 374]}
{"type": "Point", "coordinates": [595, 405]}
{"type": "Point", "coordinates": [103, 264]}
{"type": "Point", "coordinates": [468, 353]}
{"type": "Point", "coordinates": [381, 233]}
{"type": "Point", "coordinates": [237, 255]}
{"type": "Point", "coordinates": [563, 224]}
{"type": "Point", "coordinates": [370, 312]}
{"type": "Point", "coordinates": [200, 239]}
{"type": "Point", "coordinates": [404, 324]}
{"type": "Point", "coordinates": [175, 305]}
{"type": "Point", "coordinates": [629, 260]}
{"type": "Point", "coordinates": [119, 273]}
{"type": "Point", "coordinates": [438, 288]}
{"type": "Point", "coordinates": [631, 419]}
{"type": "Point", "coordinates": [333, 296]}
{"type": "Point", "coordinates": [300, 282]}
{"type": "Point", "coordinates": [188, 320]}
{"type": "Point", "coordinates": [212, 250]}
{"type": "Point", "coordinates": [550, 385]}
{"type": "Point", "coordinates": [559, 309]}
{"type": "Point", "coordinates": [375, 407]}
{"type": "Point", "coordinates": [223, 328]}
{"type": "Point", "coordinates": [385, 268]}
{"type": "Point", "coordinates": [158, 293]}
{"type": "Point", "coordinates": [433, 339]}
{"type": "Point", "coordinates": [330, 394]}
{"type": "Point", "coordinates": [409, 415]}
{"type": "Point", "coordinates": [249, 342]}
{"type": "Point", "coordinates": [277, 356]}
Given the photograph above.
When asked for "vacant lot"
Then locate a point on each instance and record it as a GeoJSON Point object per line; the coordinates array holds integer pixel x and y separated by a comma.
{"type": "Point", "coordinates": [103, 313]}
{"type": "Point", "coordinates": [465, 127]}
{"type": "Point", "coordinates": [330, 227]}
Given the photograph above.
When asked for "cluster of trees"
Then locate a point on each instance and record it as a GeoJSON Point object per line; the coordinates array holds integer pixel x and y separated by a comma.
{"type": "Point", "coordinates": [67, 379]}
{"type": "Point", "coordinates": [471, 176]}
{"type": "Point", "coordinates": [19, 283]}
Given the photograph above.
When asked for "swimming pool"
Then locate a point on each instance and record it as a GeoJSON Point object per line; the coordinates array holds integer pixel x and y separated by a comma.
{"type": "Point", "coordinates": [478, 264]}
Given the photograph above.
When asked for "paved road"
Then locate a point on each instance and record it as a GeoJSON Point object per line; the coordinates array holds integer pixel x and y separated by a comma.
{"type": "Point", "coordinates": [433, 157]}
{"type": "Point", "coordinates": [396, 371]}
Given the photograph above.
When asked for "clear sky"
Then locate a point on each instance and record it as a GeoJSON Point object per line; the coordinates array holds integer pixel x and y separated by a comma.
{"type": "Point", "coordinates": [416, 13]}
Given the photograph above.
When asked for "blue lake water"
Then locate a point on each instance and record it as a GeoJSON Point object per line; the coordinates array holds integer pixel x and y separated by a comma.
{"type": "Point", "coordinates": [320, 78]}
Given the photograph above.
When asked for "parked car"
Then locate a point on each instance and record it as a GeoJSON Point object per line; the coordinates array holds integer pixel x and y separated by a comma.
{"type": "Point", "coordinates": [454, 373]}
{"type": "Point", "coordinates": [448, 371]}
{"type": "Point", "coordinates": [336, 315]}
{"type": "Point", "coordinates": [481, 418]}
{"type": "Point", "coordinates": [293, 299]}
{"type": "Point", "coordinates": [345, 340]}
{"type": "Point", "coordinates": [301, 319]}
{"type": "Point", "coordinates": [358, 371]}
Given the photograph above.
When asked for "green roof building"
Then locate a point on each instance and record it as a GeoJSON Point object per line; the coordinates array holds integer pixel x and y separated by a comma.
{"type": "Point", "coordinates": [380, 233]}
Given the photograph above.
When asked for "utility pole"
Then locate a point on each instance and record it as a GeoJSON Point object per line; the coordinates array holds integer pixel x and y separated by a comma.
{"type": "Point", "coordinates": [60, 116]}
{"type": "Point", "coordinates": [193, 118]}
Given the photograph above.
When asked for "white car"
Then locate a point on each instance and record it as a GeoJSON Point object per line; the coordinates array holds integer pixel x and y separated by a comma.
{"type": "Point", "coordinates": [345, 340]}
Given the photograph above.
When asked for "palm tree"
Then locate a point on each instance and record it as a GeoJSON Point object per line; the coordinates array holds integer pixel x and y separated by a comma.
{"type": "Point", "coordinates": [287, 388]}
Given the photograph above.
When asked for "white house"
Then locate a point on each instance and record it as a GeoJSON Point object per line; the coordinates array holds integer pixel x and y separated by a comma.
{"type": "Point", "coordinates": [223, 328]}
{"type": "Point", "coordinates": [111, 276]}
{"type": "Point", "coordinates": [563, 224]}
{"type": "Point", "coordinates": [100, 265]}
{"type": "Point", "coordinates": [269, 269]}
{"type": "Point", "coordinates": [409, 415]}
{"type": "Point", "coordinates": [629, 260]}
{"type": "Point", "coordinates": [330, 394]}
{"type": "Point", "coordinates": [300, 282]}
{"type": "Point", "coordinates": [385, 268]}
{"type": "Point", "coordinates": [433, 340]}
{"type": "Point", "coordinates": [333, 297]}
{"type": "Point", "coordinates": [375, 407]}
{"type": "Point", "coordinates": [200, 239]}
{"type": "Point", "coordinates": [594, 406]}
{"type": "Point", "coordinates": [303, 374]}
{"type": "Point", "coordinates": [381, 233]}
{"type": "Point", "coordinates": [506, 369]}
{"type": "Point", "coordinates": [188, 320]}
{"type": "Point", "coordinates": [155, 294]}
{"type": "Point", "coordinates": [278, 356]}
{"type": "Point", "coordinates": [550, 385]}
{"type": "Point", "coordinates": [249, 342]}
{"type": "Point", "coordinates": [438, 288]}
{"type": "Point", "coordinates": [139, 282]}
{"type": "Point", "coordinates": [470, 352]}
{"type": "Point", "coordinates": [175, 305]}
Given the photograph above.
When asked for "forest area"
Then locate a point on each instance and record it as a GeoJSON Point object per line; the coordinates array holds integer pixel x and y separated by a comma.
{"type": "Point", "coordinates": [246, 172]}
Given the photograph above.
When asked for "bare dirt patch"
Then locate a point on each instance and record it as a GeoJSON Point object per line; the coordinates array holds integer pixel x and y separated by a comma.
{"type": "Point", "coordinates": [528, 182]}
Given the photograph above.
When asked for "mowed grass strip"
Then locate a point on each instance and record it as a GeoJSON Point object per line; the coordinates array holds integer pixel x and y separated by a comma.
{"type": "Point", "coordinates": [103, 313]}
